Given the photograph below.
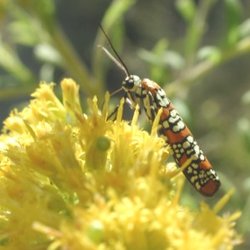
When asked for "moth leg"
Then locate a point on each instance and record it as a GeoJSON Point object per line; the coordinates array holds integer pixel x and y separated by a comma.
{"type": "Point", "coordinates": [113, 113]}
{"type": "Point", "coordinates": [149, 106]}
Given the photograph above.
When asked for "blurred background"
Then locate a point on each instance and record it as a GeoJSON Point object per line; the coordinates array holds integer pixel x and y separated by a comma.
{"type": "Point", "coordinates": [198, 51]}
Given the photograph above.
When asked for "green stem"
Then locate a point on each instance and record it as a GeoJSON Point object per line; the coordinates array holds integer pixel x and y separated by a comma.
{"type": "Point", "coordinates": [196, 29]}
{"type": "Point", "coordinates": [73, 63]}
{"type": "Point", "coordinates": [203, 68]}
{"type": "Point", "coordinates": [11, 93]}
{"type": "Point", "coordinates": [113, 16]}
{"type": "Point", "coordinates": [76, 68]}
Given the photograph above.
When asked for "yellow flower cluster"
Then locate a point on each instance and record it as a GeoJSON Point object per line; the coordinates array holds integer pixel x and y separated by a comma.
{"type": "Point", "coordinates": [71, 180]}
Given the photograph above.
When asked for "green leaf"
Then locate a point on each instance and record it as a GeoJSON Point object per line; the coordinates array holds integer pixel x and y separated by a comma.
{"type": "Point", "coordinates": [48, 54]}
{"type": "Point", "coordinates": [244, 28]}
{"type": "Point", "coordinates": [161, 61]}
{"type": "Point", "coordinates": [210, 53]}
{"type": "Point", "coordinates": [246, 98]}
{"type": "Point", "coordinates": [168, 58]}
{"type": "Point", "coordinates": [26, 26]}
{"type": "Point", "coordinates": [244, 130]}
{"type": "Point", "coordinates": [44, 9]}
{"type": "Point", "coordinates": [10, 61]}
{"type": "Point", "coordinates": [24, 32]}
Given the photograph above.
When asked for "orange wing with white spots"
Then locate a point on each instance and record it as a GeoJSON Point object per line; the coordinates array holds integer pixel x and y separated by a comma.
{"type": "Point", "coordinates": [199, 172]}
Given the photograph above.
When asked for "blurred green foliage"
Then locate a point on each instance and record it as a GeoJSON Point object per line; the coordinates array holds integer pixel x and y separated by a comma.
{"type": "Point", "coordinates": [200, 48]}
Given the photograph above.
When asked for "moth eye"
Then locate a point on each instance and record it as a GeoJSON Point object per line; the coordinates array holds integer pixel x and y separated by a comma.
{"type": "Point", "coordinates": [129, 83]}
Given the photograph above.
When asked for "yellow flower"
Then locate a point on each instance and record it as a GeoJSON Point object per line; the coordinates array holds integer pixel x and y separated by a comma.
{"type": "Point", "coordinates": [74, 180]}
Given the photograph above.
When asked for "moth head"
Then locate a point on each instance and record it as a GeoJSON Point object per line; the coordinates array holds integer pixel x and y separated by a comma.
{"type": "Point", "coordinates": [131, 82]}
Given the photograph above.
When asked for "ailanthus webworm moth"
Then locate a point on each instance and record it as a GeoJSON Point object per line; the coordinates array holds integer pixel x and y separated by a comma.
{"type": "Point", "coordinates": [152, 97]}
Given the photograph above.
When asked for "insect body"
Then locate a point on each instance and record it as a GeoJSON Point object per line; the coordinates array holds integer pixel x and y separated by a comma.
{"type": "Point", "coordinates": [152, 97]}
{"type": "Point", "coordinates": [199, 172]}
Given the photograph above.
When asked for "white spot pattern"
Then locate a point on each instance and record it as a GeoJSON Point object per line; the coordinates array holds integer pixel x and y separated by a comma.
{"type": "Point", "coordinates": [153, 97]}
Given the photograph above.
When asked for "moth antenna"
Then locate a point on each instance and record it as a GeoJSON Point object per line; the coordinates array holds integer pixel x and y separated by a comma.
{"type": "Point", "coordinates": [118, 61]}
{"type": "Point", "coordinates": [116, 91]}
